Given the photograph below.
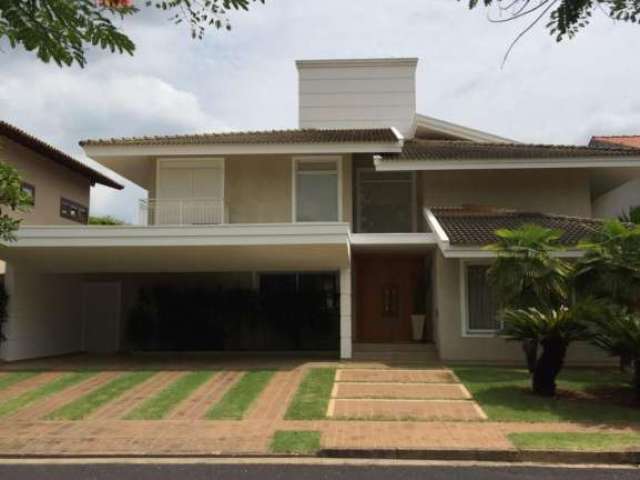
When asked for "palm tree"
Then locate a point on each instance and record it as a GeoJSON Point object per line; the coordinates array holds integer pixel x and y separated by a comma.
{"type": "Point", "coordinates": [554, 329]}
{"type": "Point", "coordinates": [527, 275]}
{"type": "Point", "coordinates": [632, 215]}
{"type": "Point", "coordinates": [610, 267]}
{"type": "Point", "coordinates": [619, 334]}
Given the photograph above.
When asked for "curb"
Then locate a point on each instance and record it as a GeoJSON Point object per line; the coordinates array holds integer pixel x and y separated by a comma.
{"type": "Point", "coordinates": [515, 456]}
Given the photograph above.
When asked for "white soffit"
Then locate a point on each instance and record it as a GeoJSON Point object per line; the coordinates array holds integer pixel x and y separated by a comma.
{"type": "Point", "coordinates": [458, 131]}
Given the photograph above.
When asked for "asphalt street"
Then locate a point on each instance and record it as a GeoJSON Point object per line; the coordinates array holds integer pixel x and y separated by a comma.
{"type": "Point", "coordinates": [297, 471]}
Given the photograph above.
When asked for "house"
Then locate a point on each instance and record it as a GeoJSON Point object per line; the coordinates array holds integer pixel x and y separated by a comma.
{"type": "Point", "coordinates": [621, 199]}
{"type": "Point", "coordinates": [59, 185]}
{"type": "Point", "coordinates": [325, 237]}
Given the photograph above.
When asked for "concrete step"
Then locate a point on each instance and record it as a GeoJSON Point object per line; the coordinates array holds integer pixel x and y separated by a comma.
{"type": "Point", "coordinates": [394, 347]}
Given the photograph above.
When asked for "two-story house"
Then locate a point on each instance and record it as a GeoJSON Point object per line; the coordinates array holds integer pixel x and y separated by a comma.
{"type": "Point", "coordinates": [369, 203]}
{"type": "Point", "coordinates": [59, 187]}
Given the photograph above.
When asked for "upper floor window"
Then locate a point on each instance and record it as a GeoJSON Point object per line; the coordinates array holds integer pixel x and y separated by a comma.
{"type": "Point", "coordinates": [31, 191]}
{"type": "Point", "coordinates": [316, 190]}
{"type": "Point", "coordinates": [73, 211]}
{"type": "Point", "coordinates": [482, 309]}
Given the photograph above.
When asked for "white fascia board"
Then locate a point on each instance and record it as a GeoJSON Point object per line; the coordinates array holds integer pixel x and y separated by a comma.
{"type": "Point", "coordinates": [398, 135]}
{"type": "Point", "coordinates": [459, 131]}
{"type": "Point", "coordinates": [441, 165]}
{"type": "Point", "coordinates": [441, 236]}
{"type": "Point", "coordinates": [400, 239]}
{"type": "Point", "coordinates": [97, 151]}
{"type": "Point", "coordinates": [167, 236]}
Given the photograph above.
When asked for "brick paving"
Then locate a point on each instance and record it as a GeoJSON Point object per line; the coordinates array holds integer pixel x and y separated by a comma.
{"type": "Point", "coordinates": [47, 405]}
{"type": "Point", "coordinates": [185, 432]}
{"type": "Point", "coordinates": [401, 390]}
{"type": "Point", "coordinates": [402, 409]}
{"type": "Point", "coordinates": [395, 375]}
{"type": "Point", "coordinates": [28, 384]}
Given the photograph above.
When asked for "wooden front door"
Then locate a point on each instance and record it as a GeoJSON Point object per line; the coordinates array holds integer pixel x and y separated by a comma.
{"type": "Point", "coordinates": [385, 286]}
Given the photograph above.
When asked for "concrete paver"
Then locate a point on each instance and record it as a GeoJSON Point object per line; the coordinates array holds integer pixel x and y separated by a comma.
{"type": "Point", "coordinates": [401, 390]}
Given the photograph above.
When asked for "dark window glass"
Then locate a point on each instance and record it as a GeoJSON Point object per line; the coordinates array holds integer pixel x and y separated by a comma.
{"type": "Point", "coordinates": [29, 190]}
{"type": "Point", "coordinates": [482, 308]}
{"type": "Point", "coordinates": [73, 211]}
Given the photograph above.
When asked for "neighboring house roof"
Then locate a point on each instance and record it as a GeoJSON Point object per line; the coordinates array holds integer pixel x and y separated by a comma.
{"type": "Point", "coordinates": [434, 128]}
{"type": "Point", "coordinates": [628, 141]}
{"type": "Point", "coordinates": [355, 135]}
{"type": "Point", "coordinates": [29, 141]}
{"type": "Point", "coordinates": [466, 150]}
{"type": "Point", "coordinates": [475, 226]}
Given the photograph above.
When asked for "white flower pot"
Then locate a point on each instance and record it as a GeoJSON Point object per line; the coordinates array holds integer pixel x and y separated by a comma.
{"type": "Point", "coordinates": [417, 324]}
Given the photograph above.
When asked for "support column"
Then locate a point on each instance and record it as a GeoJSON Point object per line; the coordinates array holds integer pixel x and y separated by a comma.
{"type": "Point", "coordinates": [345, 313]}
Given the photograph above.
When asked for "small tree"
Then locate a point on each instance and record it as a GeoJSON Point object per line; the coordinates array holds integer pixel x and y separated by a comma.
{"type": "Point", "coordinates": [12, 199]}
{"type": "Point", "coordinates": [610, 271]}
{"type": "Point", "coordinates": [554, 330]}
{"type": "Point", "coordinates": [526, 275]}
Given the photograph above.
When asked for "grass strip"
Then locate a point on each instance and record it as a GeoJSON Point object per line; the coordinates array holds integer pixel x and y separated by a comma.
{"type": "Point", "coordinates": [505, 395]}
{"type": "Point", "coordinates": [295, 442]}
{"type": "Point", "coordinates": [312, 398]}
{"type": "Point", "coordinates": [30, 396]}
{"type": "Point", "coordinates": [12, 378]}
{"type": "Point", "coordinates": [160, 405]}
{"type": "Point", "coordinates": [577, 441]}
{"type": "Point", "coordinates": [235, 403]}
{"type": "Point", "coordinates": [83, 406]}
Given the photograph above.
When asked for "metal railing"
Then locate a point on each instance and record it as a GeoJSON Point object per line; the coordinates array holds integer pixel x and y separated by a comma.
{"type": "Point", "coordinates": [186, 211]}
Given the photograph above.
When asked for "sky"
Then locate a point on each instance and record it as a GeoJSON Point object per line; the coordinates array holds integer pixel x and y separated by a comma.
{"type": "Point", "coordinates": [547, 92]}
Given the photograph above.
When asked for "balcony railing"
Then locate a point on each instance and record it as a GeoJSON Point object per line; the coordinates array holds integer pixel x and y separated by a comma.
{"type": "Point", "coordinates": [187, 211]}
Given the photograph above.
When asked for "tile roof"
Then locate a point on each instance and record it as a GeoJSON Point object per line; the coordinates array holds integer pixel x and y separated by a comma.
{"type": "Point", "coordinates": [356, 135]}
{"type": "Point", "coordinates": [475, 226]}
{"type": "Point", "coordinates": [629, 141]}
{"type": "Point", "coordinates": [29, 141]}
{"type": "Point", "coordinates": [467, 150]}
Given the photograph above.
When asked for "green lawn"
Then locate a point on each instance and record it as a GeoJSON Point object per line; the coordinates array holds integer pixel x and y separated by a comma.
{"type": "Point", "coordinates": [312, 398]}
{"type": "Point", "coordinates": [505, 395]}
{"type": "Point", "coordinates": [575, 441]}
{"type": "Point", "coordinates": [235, 403]}
{"type": "Point", "coordinates": [83, 406]}
{"type": "Point", "coordinates": [11, 378]}
{"type": "Point", "coordinates": [30, 396]}
{"type": "Point", "coordinates": [160, 405]}
{"type": "Point", "coordinates": [295, 442]}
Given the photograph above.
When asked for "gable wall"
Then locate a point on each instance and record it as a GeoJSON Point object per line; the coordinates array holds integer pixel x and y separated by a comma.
{"type": "Point", "coordinates": [51, 181]}
{"type": "Point", "coordinates": [565, 192]}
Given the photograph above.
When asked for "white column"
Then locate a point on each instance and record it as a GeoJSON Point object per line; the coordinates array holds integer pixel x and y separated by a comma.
{"type": "Point", "coordinates": [345, 313]}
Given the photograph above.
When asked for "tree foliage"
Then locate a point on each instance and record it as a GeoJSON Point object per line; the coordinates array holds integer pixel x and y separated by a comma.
{"type": "Point", "coordinates": [105, 220]}
{"type": "Point", "coordinates": [63, 30]}
{"type": "Point", "coordinates": [564, 18]}
{"type": "Point", "coordinates": [525, 273]}
{"type": "Point", "coordinates": [12, 199]}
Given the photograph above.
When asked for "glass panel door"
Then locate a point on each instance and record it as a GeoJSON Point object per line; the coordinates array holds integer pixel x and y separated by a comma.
{"type": "Point", "coordinates": [385, 201]}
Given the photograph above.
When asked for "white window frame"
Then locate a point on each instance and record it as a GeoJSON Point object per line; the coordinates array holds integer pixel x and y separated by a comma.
{"type": "Point", "coordinates": [414, 198]}
{"type": "Point", "coordinates": [464, 301]}
{"type": "Point", "coordinates": [294, 178]}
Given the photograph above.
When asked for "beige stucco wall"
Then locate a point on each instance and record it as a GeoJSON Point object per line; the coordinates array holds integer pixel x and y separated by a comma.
{"type": "Point", "coordinates": [258, 188]}
{"type": "Point", "coordinates": [453, 346]}
{"type": "Point", "coordinates": [565, 192]}
{"type": "Point", "coordinates": [51, 181]}
{"type": "Point", "coordinates": [45, 315]}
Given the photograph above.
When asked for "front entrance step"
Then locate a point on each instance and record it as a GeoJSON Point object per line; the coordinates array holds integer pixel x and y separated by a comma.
{"type": "Point", "coordinates": [396, 352]}
{"type": "Point", "coordinates": [395, 375]}
{"type": "Point", "coordinates": [370, 409]}
{"type": "Point", "coordinates": [361, 390]}
{"type": "Point", "coordinates": [394, 347]}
